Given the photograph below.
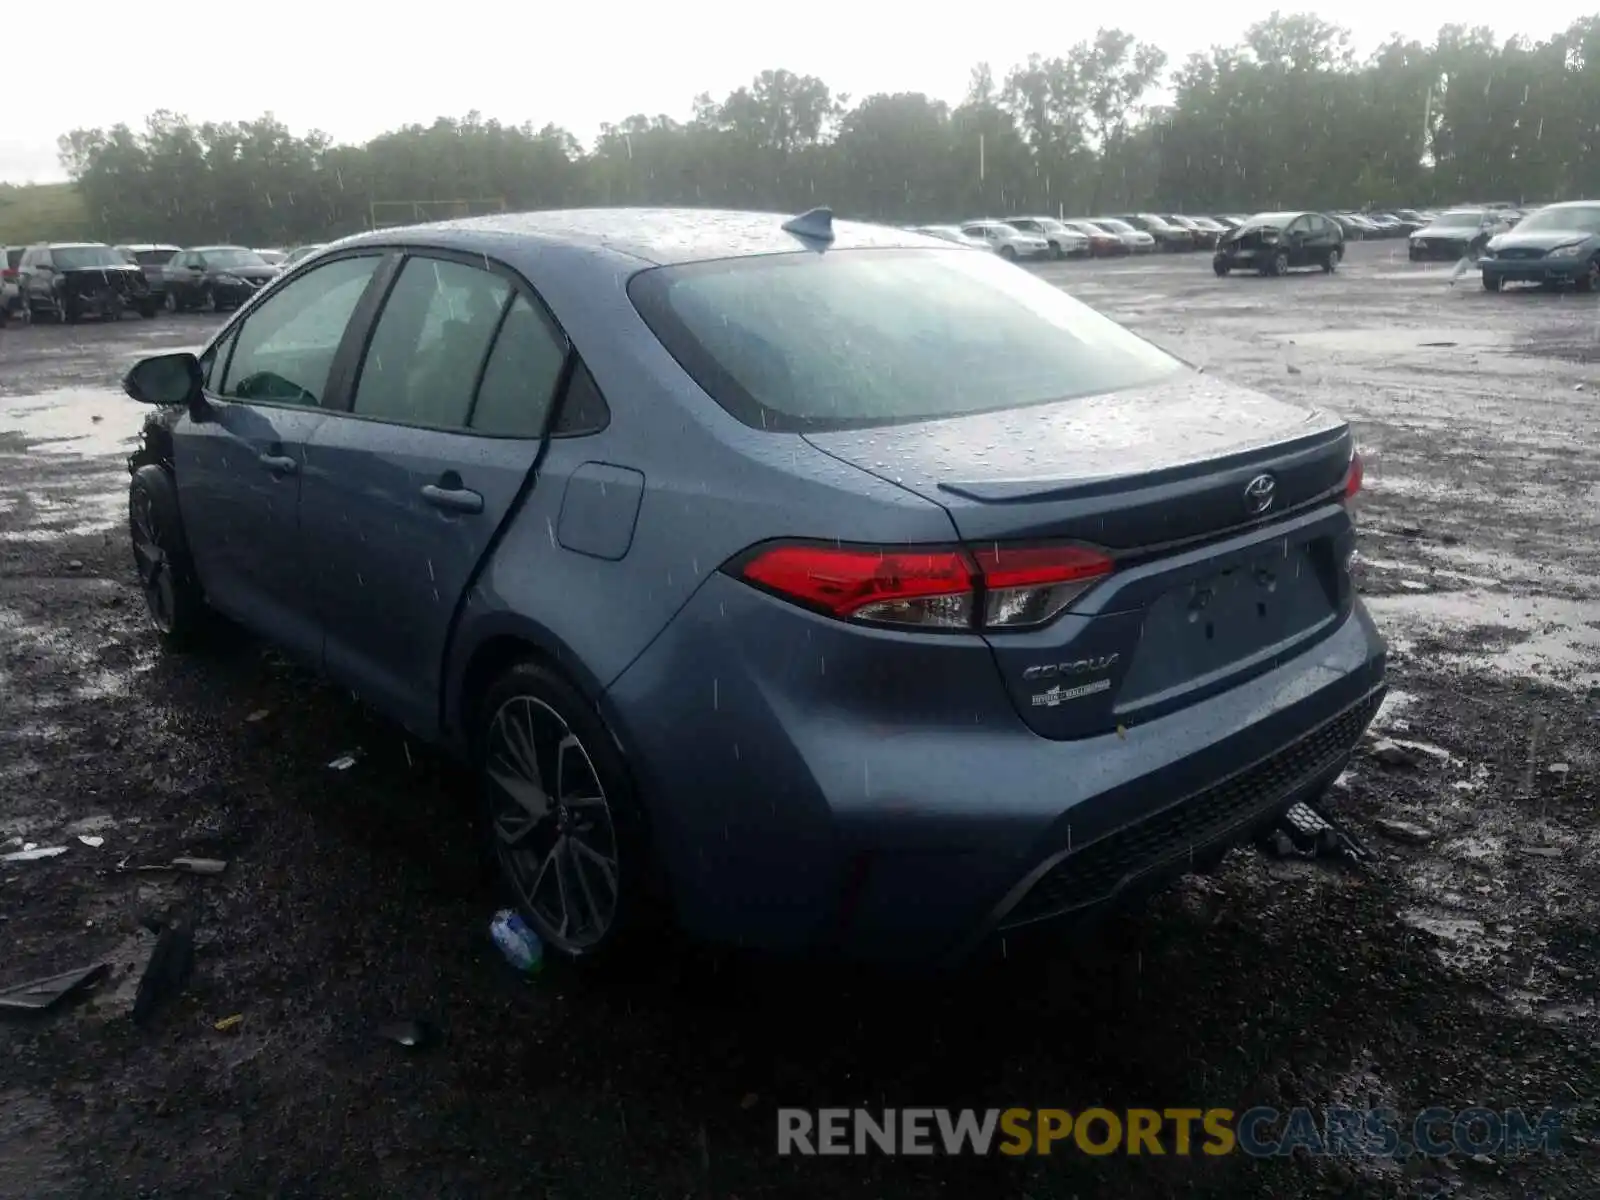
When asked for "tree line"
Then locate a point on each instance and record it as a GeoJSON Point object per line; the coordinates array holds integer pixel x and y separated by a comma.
{"type": "Point", "coordinates": [1287, 117]}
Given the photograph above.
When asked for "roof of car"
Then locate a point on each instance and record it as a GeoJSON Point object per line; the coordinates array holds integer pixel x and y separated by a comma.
{"type": "Point", "coordinates": [136, 246]}
{"type": "Point", "coordinates": [658, 236]}
{"type": "Point", "coordinates": [203, 249]}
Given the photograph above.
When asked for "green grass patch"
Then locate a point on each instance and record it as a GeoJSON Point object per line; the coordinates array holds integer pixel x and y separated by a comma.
{"type": "Point", "coordinates": [36, 212]}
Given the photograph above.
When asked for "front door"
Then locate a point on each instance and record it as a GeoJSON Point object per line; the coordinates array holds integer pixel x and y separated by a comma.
{"type": "Point", "coordinates": [403, 496]}
{"type": "Point", "coordinates": [241, 460]}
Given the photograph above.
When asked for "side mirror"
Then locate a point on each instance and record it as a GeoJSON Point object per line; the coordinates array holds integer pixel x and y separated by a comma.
{"type": "Point", "coordinates": [165, 379]}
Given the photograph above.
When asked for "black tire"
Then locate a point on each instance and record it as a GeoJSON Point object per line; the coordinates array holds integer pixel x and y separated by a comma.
{"type": "Point", "coordinates": [1056, 252]}
{"type": "Point", "coordinates": [1007, 253]}
{"type": "Point", "coordinates": [167, 578]}
{"type": "Point", "coordinates": [531, 704]}
{"type": "Point", "coordinates": [1221, 268]}
{"type": "Point", "coordinates": [1279, 264]}
{"type": "Point", "coordinates": [1330, 264]}
{"type": "Point", "coordinates": [173, 304]}
{"type": "Point", "coordinates": [1491, 283]}
{"type": "Point", "coordinates": [1589, 281]}
{"type": "Point", "coordinates": [66, 310]}
{"type": "Point", "coordinates": [148, 309]}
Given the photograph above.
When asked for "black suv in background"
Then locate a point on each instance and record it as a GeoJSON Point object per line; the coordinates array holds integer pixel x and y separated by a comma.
{"type": "Point", "coordinates": [1274, 242]}
{"type": "Point", "coordinates": [214, 277]}
{"type": "Point", "coordinates": [69, 280]}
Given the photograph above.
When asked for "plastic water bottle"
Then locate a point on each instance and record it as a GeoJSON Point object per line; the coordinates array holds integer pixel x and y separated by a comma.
{"type": "Point", "coordinates": [520, 945]}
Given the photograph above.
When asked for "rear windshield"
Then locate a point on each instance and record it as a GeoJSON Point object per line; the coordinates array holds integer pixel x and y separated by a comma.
{"type": "Point", "coordinates": [13, 257]}
{"type": "Point", "coordinates": [856, 338]}
{"type": "Point", "coordinates": [152, 258]}
{"type": "Point", "coordinates": [1461, 217]}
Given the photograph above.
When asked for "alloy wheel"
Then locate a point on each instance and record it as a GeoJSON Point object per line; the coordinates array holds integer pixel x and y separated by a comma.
{"type": "Point", "coordinates": [171, 301]}
{"type": "Point", "coordinates": [155, 569]}
{"type": "Point", "coordinates": [551, 823]}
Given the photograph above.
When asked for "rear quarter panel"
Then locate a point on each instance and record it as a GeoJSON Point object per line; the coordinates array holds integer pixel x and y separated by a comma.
{"type": "Point", "coordinates": [712, 488]}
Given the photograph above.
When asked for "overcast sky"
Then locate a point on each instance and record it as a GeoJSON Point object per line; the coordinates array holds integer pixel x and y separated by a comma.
{"type": "Point", "coordinates": [347, 70]}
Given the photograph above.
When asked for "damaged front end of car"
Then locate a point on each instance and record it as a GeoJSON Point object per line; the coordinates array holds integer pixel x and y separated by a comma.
{"type": "Point", "coordinates": [104, 291]}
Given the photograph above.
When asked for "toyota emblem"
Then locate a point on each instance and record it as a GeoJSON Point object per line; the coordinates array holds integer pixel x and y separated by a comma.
{"type": "Point", "coordinates": [1259, 494]}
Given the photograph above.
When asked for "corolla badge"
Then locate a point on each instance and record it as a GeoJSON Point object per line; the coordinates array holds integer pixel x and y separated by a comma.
{"type": "Point", "coordinates": [1259, 494]}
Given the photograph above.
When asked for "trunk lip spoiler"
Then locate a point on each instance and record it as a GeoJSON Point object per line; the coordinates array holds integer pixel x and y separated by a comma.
{"type": "Point", "coordinates": [1024, 491]}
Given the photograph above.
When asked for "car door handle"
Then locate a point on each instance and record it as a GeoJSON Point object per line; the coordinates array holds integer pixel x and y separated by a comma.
{"type": "Point", "coordinates": [278, 464]}
{"type": "Point", "coordinates": [462, 500]}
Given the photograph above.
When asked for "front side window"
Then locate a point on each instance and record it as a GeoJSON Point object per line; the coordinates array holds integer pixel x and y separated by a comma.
{"type": "Point", "coordinates": [285, 348]}
{"type": "Point", "coordinates": [429, 345]}
{"type": "Point", "coordinates": [860, 338]}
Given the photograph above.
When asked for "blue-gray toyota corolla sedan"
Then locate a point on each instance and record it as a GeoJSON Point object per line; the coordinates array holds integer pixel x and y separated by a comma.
{"type": "Point", "coordinates": [828, 586]}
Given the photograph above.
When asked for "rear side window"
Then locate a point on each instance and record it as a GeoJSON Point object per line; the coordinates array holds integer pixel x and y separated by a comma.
{"type": "Point", "coordinates": [857, 338]}
{"type": "Point", "coordinates": [520, 379]}
{"type": "Point", "coordinates": [13, 257]}
{"type": "Point", "coordinates": [430, 343]}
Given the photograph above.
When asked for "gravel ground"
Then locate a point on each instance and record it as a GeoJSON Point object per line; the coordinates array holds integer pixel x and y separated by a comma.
{"type": "Point", "coordinates": [1460, 968]}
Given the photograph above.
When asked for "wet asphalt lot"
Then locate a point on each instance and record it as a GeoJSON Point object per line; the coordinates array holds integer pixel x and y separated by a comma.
{"type": "Point", "coordinates": [1462, 968]}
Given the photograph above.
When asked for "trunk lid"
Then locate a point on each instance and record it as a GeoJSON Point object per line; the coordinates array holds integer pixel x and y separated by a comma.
{"type": "Point", "coordinates": [1211, 586]}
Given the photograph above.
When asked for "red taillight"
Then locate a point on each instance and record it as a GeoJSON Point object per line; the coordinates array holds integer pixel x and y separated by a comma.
{"type": "Point", "coordinates": [1354, 475]}
{"type": "Point", "coordinates": [934, 587]}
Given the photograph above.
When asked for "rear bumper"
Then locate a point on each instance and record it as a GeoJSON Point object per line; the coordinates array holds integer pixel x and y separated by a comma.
{"type": "Point", "coordinates": [802, 801]}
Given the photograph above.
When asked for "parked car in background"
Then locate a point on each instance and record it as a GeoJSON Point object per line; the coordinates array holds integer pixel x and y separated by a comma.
{"type": "Point", "coordinates": [1201, 237]}
{"type": "Point", "coordinates": [272, 257]}
{"type": "Point", "coordinates": [1275, 243]}
{"type": "Point", "coordinates": [66, 281]}
{"type": "Point", "coordinates": [1103, 243]}
{"type": "Point", "coordinates": [151, 258]}
{"type": "Point", "coordinates": [10, 293]}
{"type": "Point", "coordinates": [1351, 228]}
{"type": "Point", "coordinates": [300, 252]}
{"type": "Point", "coordinates": [1457, 233]}
{"type": "Point", "coordinates": [1212, 226]}
{"type": "Point", "coordinates": [1007, 240]}
{"type": "Point", "coordinates": [952, 233]}
{"type": "Point", "coordinates": [1559, 244]}
{"type": "Point", "coordinates": [1167, 236]}
{"type": "Point", "coordinates": [1137, 240]}
{"type": "Point", "coordinates": [421, 465]}
{"type": "Point", "coordinates": [1064, 241]}
{"type": "Point", "coordinates": [215, 278]}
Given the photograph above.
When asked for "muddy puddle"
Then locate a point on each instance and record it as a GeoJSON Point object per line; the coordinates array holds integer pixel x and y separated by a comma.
{"type": "Point", "coordinates": [1556, 640]}
{"type": "Point", "coordinates": [88, 422]}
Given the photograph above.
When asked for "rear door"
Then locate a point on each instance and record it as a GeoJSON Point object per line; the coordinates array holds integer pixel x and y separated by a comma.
{"type": "Point", "coordinates": [241, 465]}
{"type": "Point", "coordinates": [404, 494]}
{"type": "Point", "coordinates": [1302, 250]}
